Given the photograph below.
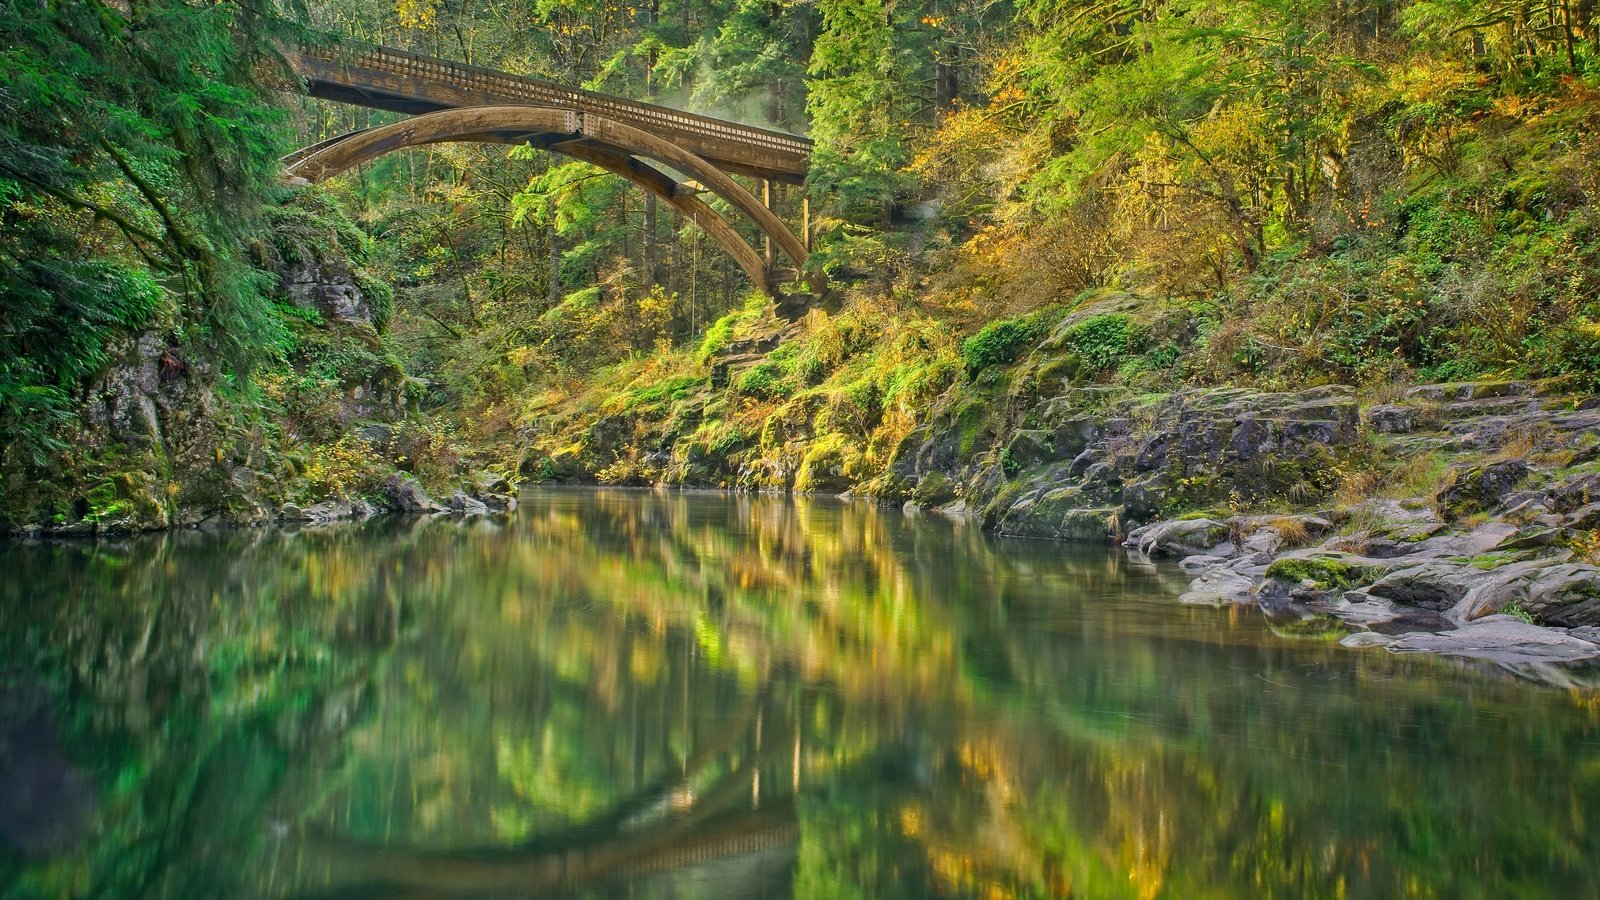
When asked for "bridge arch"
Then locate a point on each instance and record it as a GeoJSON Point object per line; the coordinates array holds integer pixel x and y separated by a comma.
{"type": "Point", "coordinates": [601, 141]}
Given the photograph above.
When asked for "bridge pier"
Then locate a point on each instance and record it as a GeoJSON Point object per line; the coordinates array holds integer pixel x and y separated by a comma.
{"type": "Point", "coordinates": [766, 239]}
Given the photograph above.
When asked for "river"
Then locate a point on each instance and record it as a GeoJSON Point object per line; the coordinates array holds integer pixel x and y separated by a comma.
{"type": "Point", "coordinates": [662, 695]}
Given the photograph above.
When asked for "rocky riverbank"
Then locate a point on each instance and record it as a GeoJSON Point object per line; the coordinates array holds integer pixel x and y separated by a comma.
{"type": "Point", "coordinates": [163, 438]}
{"type": "Point", "coordinates": [1496, 564]}
{"type": "Point", "coordinates": [1469, 528]}
{"type": "Point", "coordinates": [1461, 519]}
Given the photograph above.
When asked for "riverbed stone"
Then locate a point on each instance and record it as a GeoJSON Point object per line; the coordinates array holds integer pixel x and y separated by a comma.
{"type": "Point", "coordinates": [1218, 587]}
{"type": "Point", "coordinates": [1501, 587]}
{"type": "Point", "coordinates": [1502, 639]}
{"type": "Point", "coordinates": [1183, 537]}
{"type": "Point", "coordinates": [465, 505]}
{"type": "Point", "coordinates": [1432, 585]}
{"type": "Point", "coordinates": [1360, 608]}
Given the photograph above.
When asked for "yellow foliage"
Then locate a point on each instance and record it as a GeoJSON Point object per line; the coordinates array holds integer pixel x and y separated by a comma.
{"type": "Point", "coordinates": [416, 13]}
{"type": "Point", "coordinates": [341, 469]}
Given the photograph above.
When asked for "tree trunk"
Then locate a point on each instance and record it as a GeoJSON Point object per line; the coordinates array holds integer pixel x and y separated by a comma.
{"type": "Point", "coordinates": [555, 269]}
{"type": "Point", "coordinates": [649, 240]}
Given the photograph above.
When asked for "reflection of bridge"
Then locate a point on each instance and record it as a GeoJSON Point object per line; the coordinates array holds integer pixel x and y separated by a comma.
{"type": "Point", "coordinates": [711, 811]}
{"type": "Point", "coordinates": [450, 101]}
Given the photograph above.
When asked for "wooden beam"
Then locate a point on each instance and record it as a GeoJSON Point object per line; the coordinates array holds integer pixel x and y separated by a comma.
{"type": "Point", "coordinates": [617, 134]}
{"type": "Point", "coordinates": [610, 145]}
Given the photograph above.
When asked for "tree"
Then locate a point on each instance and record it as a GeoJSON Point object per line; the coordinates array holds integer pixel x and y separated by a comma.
{"type": "Point", "coordinates": [137, 148]}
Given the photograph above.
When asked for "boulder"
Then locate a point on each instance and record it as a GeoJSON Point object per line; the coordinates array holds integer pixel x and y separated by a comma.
{"type": "Point", "coordinates": [1435, 585]}
{"type": "Point", "coordinates": [488, 482]}
{"type": "Point", "coordinates": [405, 495]}
{"type": "Point", "coordinates": [1183, 537]}
{"type": "Point", "coordinates": [935, 489]}
{"type": "Point", "coordinates": [1567, 595]}
{"type": "Point", "coordinates": [1499, 588]}
{"type": "Point", "coordinates": [1029, 448]}
{"type": "Point", "coordinates": [1481, 488]}
{"type": "Point", "coordinates": [463, 504]}
{"type": "Point", "coordinates": [1389, 419]}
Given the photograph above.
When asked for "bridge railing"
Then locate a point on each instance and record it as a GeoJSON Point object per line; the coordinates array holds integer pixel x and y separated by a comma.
{"type": "Point", "coordinates": [535, 91]}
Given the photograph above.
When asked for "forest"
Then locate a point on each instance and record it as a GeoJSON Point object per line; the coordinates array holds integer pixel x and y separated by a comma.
{"type": "Point", "coordinates": [1173, 469]}
{"type": "Point", "coordinates": [1154, 195]}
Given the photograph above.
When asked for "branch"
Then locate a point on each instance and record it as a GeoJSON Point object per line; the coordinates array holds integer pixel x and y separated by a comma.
{"type": "Point", "coordinates": [187, 247]}
{"type": "Point", "coordinates": [132, 232]}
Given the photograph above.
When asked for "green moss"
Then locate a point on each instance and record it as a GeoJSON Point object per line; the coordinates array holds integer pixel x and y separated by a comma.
{"type": "Point", "coordinates": [1324, 573]}
{"type": "Point", "coordinates": [670, 389]}
{"type": "Point", "coordinates": [934, 489]}
{"type": "Point", "coordinates": [1488, 561]}
{"type": "Point", "coordinates": [765, 381]}
{"type": "Point", "coordinates": [720, 334]}
{"type": "Point", "coordinates": [828, 464]}
{"type": "Point", "coordinates": [970, 420]}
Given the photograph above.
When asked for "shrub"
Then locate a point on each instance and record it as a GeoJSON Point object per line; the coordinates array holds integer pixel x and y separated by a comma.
{"type": "Point", "coordinates": [1106, 339]}
{"type": "Point", "coordinates": [1574, 349]}
{"type": "Point", "coordinates": [999, 343]}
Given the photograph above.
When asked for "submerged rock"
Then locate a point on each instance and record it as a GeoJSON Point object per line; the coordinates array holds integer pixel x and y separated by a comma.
{"type": "Point", "coordinates": [1220, 586]}
{"type": "Point", "coordinates": [45, 801]}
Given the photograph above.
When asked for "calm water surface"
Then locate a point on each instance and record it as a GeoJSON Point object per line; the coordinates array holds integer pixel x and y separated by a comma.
{"type": "Point", "coordinates": [621, 694]}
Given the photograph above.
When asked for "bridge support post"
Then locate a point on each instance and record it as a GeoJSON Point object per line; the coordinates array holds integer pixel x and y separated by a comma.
{"type": "Point", "coordinates": [766, 239]}
{"type": "Point", "coordinates": [805, 223]}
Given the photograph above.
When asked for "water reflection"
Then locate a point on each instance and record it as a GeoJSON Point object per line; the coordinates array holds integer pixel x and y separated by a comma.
{"type": "Point", "coordinates": [629, 694]}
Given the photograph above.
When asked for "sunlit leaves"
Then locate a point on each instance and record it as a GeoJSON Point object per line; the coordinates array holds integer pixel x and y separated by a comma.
{"type": "Point", "coordinates": [416, 13]}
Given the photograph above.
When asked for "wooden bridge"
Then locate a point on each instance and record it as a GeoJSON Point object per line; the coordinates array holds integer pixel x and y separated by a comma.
{"type": "Point", "coordinates": [674, 155]}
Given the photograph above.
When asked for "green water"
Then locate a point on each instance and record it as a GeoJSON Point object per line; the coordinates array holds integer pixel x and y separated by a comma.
{"type": "Point", "coordinates": [626, 694]}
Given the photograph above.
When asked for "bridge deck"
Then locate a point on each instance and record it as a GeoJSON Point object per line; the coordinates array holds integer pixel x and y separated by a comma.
{"type": "Point", "coordinates": [398, 81]}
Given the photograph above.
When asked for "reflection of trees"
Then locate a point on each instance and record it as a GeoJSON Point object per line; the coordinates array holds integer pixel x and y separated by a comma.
{"type": "Point", "coordinates": [714, 809]}
{"type": "Point", "coordinates": [451, 708]}
{"type": "Point", "coordinates": [191, 701]}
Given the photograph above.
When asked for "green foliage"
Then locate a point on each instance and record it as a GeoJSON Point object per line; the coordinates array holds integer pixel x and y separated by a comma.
{"type": "Point", "coordinates": [1106, 339]}
{"type": "Point", "coordinates": [764, 381]}
{"type": "Point", "coordinates": [1009, 464]}
{"type": "Point", "coordinates": [1574, 349]}
{"type": "Point", "coordinates": [138, 151]}
{"type": "Point", "coordinates": [1000, 342]}
{"type": "Point", "coordinates": [721, 332]}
